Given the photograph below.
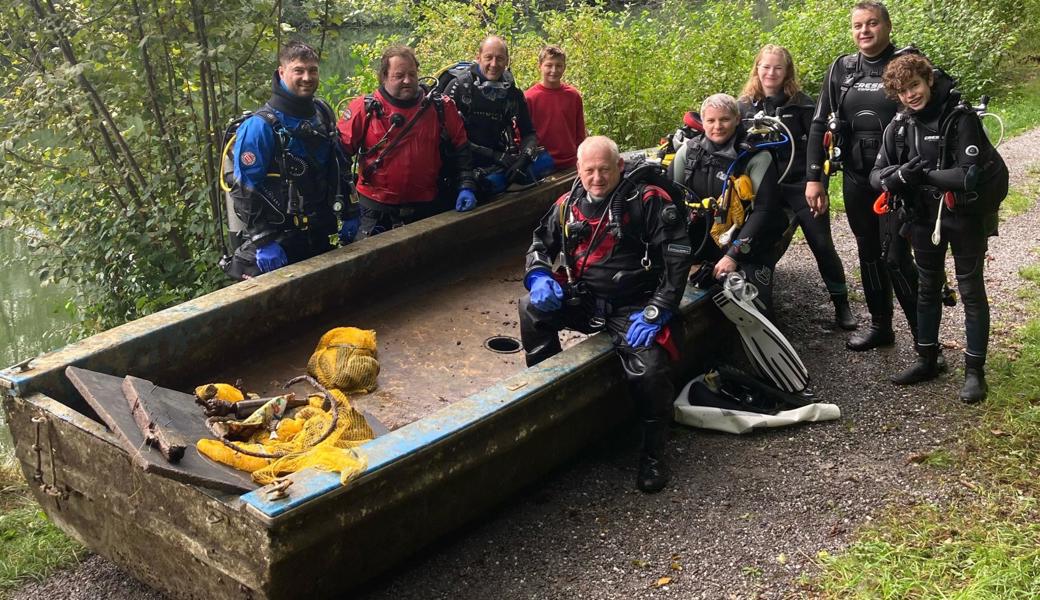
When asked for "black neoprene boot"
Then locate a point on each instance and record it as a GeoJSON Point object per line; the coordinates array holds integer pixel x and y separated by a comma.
{"type": "Point", "coordinates": [925, 368]}
{"type": "Point", "coordinates": [843, 316]}
{"type": "Point", "coordinates": [975, 388]}
{"type": "Point", "coordinates": [878, 334]}
{"type": "Point", "coordinates": [653, 472]}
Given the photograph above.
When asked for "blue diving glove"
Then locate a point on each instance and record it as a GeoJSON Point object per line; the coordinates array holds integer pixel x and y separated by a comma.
{"type": "Point", "coordinates": [349, 230]}
{"type": "Point", "coordinates": [466, 200]}
{"type": "Point", "coordinates": [642, 334]}
{"type": "Point", "coordinates": [546, 293]}
{"type": "Point", "coordinates": [270, 257]}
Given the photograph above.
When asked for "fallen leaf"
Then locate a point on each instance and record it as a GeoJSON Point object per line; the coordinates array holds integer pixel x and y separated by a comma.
{"type": "Point", "coordinates": [676, 566]}
{"type": "Point", "coordinates": [663, 581]}
{"type": "Point", "coordinates": [999, 433]}
{"type": "Point", "coordinates": [917, 458]}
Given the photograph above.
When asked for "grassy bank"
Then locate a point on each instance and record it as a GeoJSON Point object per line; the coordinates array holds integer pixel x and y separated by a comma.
{"type": "Point", "coordinates": [31, 547]}
{"type": "Point", "coordinates": [986, 542]}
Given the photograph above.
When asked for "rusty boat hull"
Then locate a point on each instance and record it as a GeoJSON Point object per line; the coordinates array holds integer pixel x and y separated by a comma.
{"type": "Point", "coordinates": [434, 291]}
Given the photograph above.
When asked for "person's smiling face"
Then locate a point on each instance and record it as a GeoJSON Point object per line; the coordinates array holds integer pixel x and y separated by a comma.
{"type": "Point", "coordinates": [870, 31]}
{"type": "Point", "coordinates": [719, 124]}
{"type": "Point", "coordinates": [916, 94]}
{"type": "Point", "coordinates": [300, 77]}
{"type": "Point", "coordinates": [772, 72]}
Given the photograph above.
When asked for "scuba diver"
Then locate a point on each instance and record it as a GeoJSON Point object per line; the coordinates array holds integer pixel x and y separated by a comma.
{"type": "Point", "coordinates": [285, 187]}
{"type": "Point", "coordinates": [850, 117]}
{"type": "Point", "coordinates": [723, 166]}
{"type": "Point", "coordinates": [496, 114]}
{"type": "Point", "coordinates": [943, 177]}
{"type": "Point", "coordinates": [772, 93]}
{"type": "Point", "coordinates": [397, 134]}
{"type": "Point", "coordinates": [626, 257]}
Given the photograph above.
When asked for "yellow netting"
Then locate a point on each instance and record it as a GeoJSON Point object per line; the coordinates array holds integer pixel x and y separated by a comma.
{"type": "Point", "coordinates": [345, 359]}
{"type": "Point", "coordinates": [296, 439]}
{"type": "Point", "coordinates": [344, 362]}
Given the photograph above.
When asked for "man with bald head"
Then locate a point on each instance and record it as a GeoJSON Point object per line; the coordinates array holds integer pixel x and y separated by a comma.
{"type": "Point", "coordinates": [624, 270]}
{"type": "Point", "coordinates": [495, 112]}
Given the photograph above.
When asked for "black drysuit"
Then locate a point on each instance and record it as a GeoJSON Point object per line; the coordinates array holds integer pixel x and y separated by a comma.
{"type": "Point", "coordinates": [854, 93]}
{"type": "Point", "coordinates": [625, 252]}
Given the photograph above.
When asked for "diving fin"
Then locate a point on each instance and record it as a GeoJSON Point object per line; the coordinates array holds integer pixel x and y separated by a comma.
{"type": "Point", "coordinates": [767, 348]}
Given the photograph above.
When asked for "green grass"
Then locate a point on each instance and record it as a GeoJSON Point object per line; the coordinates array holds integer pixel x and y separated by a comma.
{"type": "Point", "coordinates": [986, 543]}
{"type": "Point", "coordinates": [1020, 107]}
{"type": "Point", "coordinates": [31, 547]}
{"type": "Point", "coordinates": [1016, 203]}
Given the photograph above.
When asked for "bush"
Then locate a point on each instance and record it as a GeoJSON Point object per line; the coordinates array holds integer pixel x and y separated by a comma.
{"type": "Point", "coordinates": [639, 69]}
{"type": "Point", "coordinates": [111, 110]}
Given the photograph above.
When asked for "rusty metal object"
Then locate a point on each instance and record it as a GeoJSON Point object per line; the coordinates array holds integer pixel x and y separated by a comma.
{"type": "Point", "coordinates": [51, 489]}
{"type": "Point", "coordinates": [277, 490]}
{"type": "Point", "coordinates": [153, 420]}
{"type": "Point", "coordinates": [214, 407]}
{"type": "Point", "coordinates": [329, 400]}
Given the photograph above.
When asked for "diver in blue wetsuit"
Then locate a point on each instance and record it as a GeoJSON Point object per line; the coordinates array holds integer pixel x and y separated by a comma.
{"type": "Point", "coordinates": [286, 187]}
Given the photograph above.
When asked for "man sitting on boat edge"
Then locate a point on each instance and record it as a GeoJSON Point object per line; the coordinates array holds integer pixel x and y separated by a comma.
{"type": "Point", "coordinates": [626, 258]}
{"type": "Point", "coordinates": [287, 173]}
{"type": "Point", "coordinates": [397, 134]}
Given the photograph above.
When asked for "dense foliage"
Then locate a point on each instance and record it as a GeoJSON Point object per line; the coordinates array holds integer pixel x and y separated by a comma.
{"type": "Point", "coordinates": [112, 110]}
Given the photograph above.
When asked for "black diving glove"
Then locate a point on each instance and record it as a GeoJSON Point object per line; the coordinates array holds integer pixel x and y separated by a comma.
{"type": "Point", "coordinates": [518, 168]}
{"type": "Point", "coordinates": [908, 175]}
{"type": "Point", "coordinates": [505, 159]}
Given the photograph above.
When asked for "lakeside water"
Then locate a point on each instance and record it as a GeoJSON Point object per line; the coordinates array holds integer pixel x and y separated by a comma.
{"type": "Point", "coordinates": [32, 316]}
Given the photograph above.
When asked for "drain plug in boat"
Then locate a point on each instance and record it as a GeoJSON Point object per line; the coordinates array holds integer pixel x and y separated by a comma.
{"type": "Point", "coordinates": [503, 344]}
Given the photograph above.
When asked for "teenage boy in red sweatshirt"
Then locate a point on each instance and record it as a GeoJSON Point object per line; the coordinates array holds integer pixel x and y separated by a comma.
{"type": "Point", "coordinates": [556, 109]}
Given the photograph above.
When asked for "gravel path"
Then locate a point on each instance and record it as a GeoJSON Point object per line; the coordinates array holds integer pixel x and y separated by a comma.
{"type": "Point", "coordinates": [744, 516]}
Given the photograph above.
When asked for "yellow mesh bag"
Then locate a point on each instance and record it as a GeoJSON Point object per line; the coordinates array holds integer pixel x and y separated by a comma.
{"type": "Point", "coordinates": [334, 453]}
{"type": "Point", "coordinates": [344, 362]}
{"type": "Point", "coordinates": [298, 440]}
{"type": "Point", "coordinates": [215, 450]}
{"type": "Point", "coordinates": [345, 359]}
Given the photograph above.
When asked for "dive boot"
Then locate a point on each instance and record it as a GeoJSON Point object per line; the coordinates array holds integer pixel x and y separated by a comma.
{"type": "Point", "coordinates": [925, 368]}
{"type": "Point", "coordinates": [843, 316]}
{"type": "Point", "coordinates": [975, 388]}
{"type": "Point", "coordinates": [653, 472]}
{"type": "Point", "coordinates": [878, 334]}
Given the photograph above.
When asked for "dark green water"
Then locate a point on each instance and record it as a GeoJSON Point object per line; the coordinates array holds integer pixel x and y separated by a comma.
{"type": "Point", "coordinates": [33, 317]}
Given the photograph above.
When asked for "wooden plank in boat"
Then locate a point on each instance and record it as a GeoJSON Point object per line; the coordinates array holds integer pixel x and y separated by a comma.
{"type": "Point", "coordinates": [105, 394]}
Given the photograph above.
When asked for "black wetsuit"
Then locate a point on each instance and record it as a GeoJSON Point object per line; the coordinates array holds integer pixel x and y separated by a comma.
{"type": "Point", "coordinates": [957, 157]}
{"type": "Point", "coordinates": [701, 165]}
{"type": "Point", "coordinates": [796, 114]}
{"type": "Point", "coordinates": [853, 90]}
{"type": "Point", "coordinates": [494, 113]}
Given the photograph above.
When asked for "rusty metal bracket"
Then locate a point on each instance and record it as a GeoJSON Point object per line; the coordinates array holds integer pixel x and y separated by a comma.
{"type": "Point", "coordinates": [51, 489]}
{"type": "Point", "coordinates": [278, 490]}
